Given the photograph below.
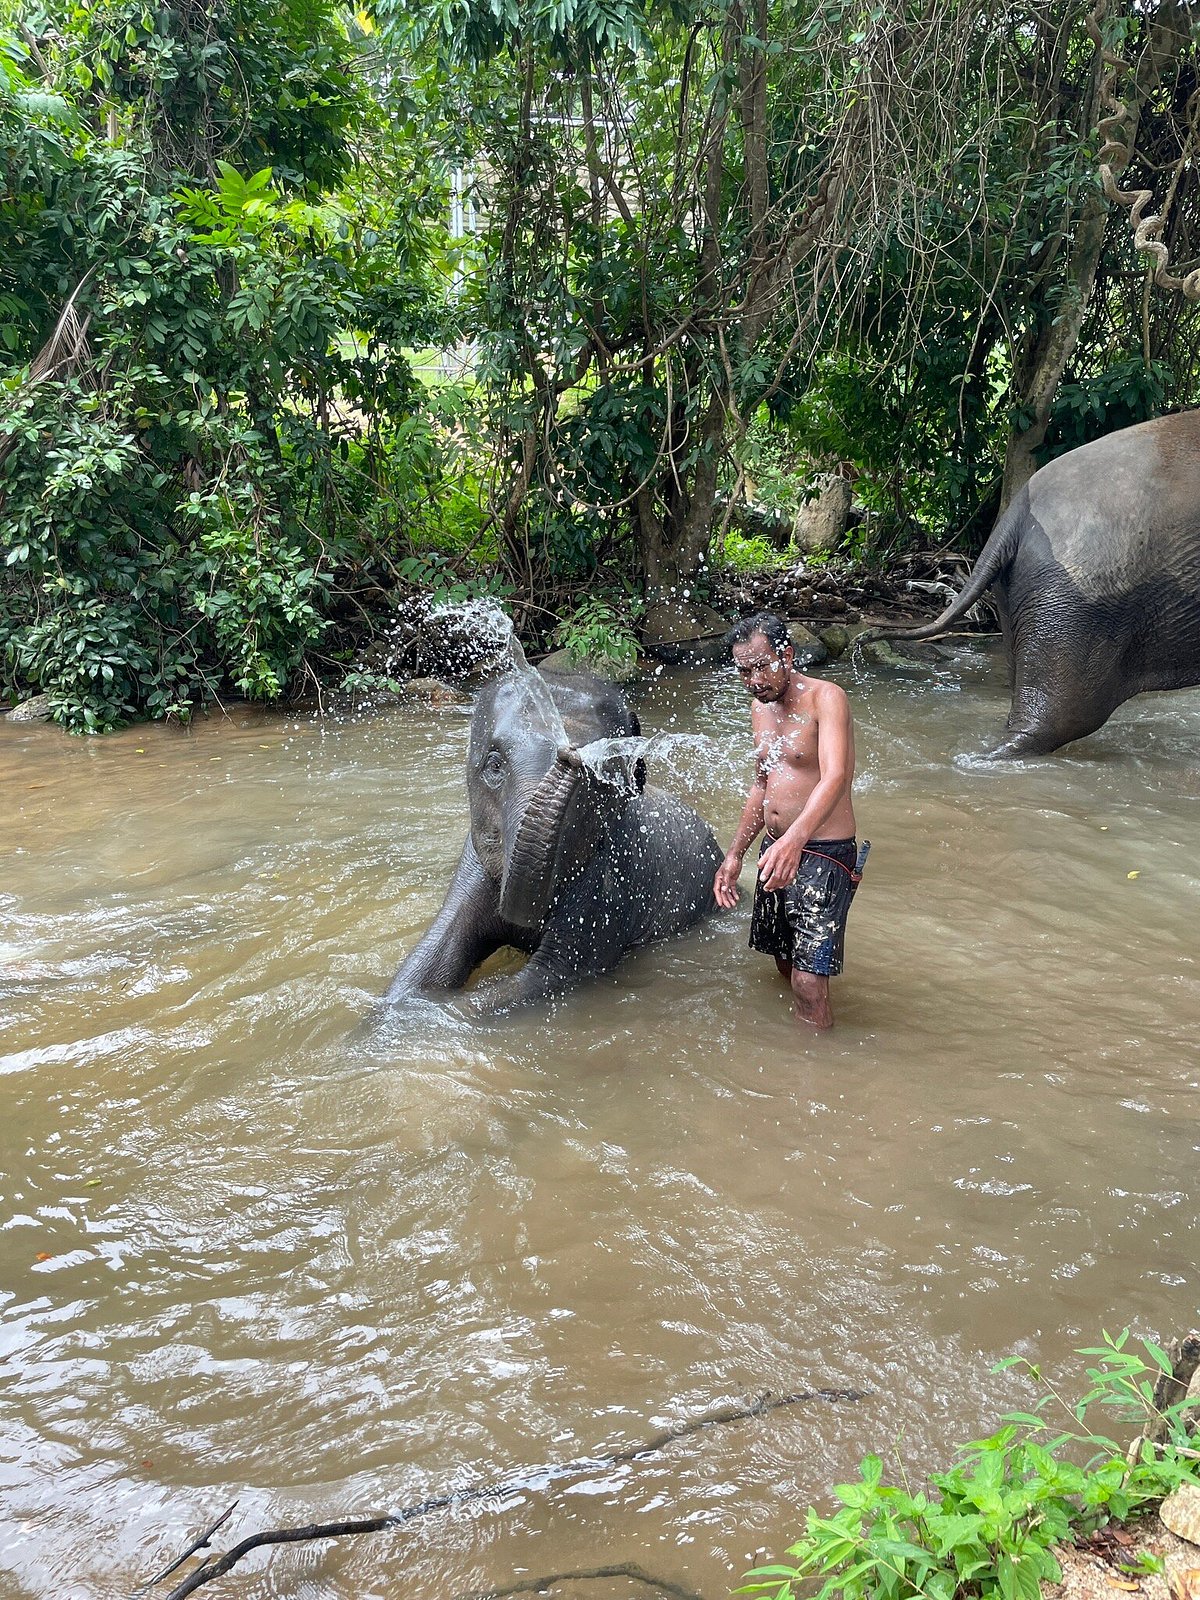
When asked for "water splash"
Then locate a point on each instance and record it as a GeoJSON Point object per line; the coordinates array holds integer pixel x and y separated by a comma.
{"type": "Point", "coordinates": [692, 760]}
{"type": "Point", "coordinates": [457, 639]}
{"type": "Point", "coordinates": [476, 638]}
{"type": "Point", "coordinates": [473, 637]}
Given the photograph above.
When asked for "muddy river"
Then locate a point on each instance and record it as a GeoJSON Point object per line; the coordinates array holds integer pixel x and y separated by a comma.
{"type": "Point", "coordinates": [253, 1250]}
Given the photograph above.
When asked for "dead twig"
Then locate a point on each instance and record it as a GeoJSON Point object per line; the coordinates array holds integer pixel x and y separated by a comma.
{"type": "Point", "coordinates": [64, 354]}
{"type": "Point", "coordinates": [551, 1580]}
{"type": "Point", "coordinates": [196, 1544]}
{"type": "Point", "coordinates": [533, 1480]}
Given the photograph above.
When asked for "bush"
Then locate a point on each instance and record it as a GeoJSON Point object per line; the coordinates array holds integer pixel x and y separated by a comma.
{"type": "Point", "coordinates": [750, 553]}
{"type": "Point", "coordinates": [208, 431]}
{"type": "Point", "coordinates": [596, 633]}
{"type": "Point", "coordinates": [990, 1525]}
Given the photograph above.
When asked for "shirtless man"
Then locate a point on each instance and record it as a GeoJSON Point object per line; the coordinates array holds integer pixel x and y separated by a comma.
{"type": "Point", "coordinates": [804, 768]}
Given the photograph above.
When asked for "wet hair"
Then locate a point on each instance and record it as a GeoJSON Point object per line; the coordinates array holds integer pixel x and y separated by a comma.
{"type": "Point", "coordinates": [773, 629]}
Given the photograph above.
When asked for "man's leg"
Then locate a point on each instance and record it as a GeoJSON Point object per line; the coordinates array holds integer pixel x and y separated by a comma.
{"type": "Point", "coordinates": [785, 968]}
{"type": "Point", "coordinates": [810, 999]}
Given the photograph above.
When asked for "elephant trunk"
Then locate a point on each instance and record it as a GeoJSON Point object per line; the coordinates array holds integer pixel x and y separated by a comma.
{"type": "Point", "coordinates": [552, 840]}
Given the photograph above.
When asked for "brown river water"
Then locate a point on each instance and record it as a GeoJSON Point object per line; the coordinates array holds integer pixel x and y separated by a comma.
{"type": "Point", "coordinates": [254, 1248]}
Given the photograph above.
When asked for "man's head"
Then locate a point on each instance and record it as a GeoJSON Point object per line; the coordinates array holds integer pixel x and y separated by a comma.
{"type": "Point", "coordinates": [762, 653]}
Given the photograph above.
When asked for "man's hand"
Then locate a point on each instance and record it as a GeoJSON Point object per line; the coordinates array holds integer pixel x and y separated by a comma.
{"type": "Point", "coordinates": [725, 884]}
{"type": "Point", "coordinates": [780, 862]}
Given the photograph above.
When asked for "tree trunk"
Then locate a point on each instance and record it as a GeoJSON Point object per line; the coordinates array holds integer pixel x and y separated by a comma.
{"type": "Point", "coordinates": [1037, 377]}
{"type": "Point", "coordinates": [674, 524]}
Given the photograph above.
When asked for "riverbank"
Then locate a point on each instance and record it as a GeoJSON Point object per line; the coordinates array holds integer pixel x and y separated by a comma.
{"type": "Point", "coordinates": [828, 601]}
{"type": "Point", "coordinates": [1047, 1507]}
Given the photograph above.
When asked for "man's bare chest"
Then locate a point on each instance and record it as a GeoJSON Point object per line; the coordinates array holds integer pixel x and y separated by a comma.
{"type": "Point", "coordinates": [787, 742]}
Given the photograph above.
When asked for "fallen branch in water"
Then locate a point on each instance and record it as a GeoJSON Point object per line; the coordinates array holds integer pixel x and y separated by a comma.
{"type": "Point", "coordinates": [199, 1543]}
{"type": "Point", "coordinates": [535, 1478]}
{"type": "Point", "coordinates": [552, 1579]}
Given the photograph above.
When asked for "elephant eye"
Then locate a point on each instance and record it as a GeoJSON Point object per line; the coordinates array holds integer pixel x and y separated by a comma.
{"type": "Point", "coordinates": [493, 767]}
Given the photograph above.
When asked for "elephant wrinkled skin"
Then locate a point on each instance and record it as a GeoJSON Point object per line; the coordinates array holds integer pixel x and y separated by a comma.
{"type": "Point", "coordinates": [573, 865]}
{"type": "Point", "coordinates": [1095, 567]}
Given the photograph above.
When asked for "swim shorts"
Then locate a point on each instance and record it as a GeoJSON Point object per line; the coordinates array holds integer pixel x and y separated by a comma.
{"type": "Point", "coordinates": [805, 922]}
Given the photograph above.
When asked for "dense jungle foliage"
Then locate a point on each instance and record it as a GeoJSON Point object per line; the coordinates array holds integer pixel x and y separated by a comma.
{"type": "Point", "coordinates": [305, 310]}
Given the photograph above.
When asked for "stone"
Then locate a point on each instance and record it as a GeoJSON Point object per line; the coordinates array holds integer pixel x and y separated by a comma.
{"type": "Point", "coordinates": [36, 709]}
{"type": "Point", "coordinates": [836, 638]}
{"type": "Point", "coordinates": [598, 666]}
{"type": "Point", "coordinates": [435, 691]}
{"type": "Point", "coordinates": [688, 632]}
{"type": "Point", "coordinates": [470, 641]}
{"type": "Point", "coordinates": [1180, 1512]}
{"type": "Point", "coordinates": [821, 523]}
{"type": "Point", "coordinates": [883, 653]}
{"type": "Point", "coordinates": [810, 651]}
{"type": "Point", "coordinates": [676, 622]}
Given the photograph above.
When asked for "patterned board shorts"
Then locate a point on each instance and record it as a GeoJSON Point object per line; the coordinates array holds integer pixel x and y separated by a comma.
{"type": "Point", "coordinates": [805, 922]}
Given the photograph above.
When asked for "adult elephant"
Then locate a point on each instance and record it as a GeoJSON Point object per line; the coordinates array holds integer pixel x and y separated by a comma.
{"type": "Point", "coordinates": [573, 861]}
{"type": "Point", "coordinates": [1095, 567]}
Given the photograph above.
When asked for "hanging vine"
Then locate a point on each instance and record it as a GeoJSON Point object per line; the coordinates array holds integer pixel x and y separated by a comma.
{"type": "Point", "coordinates": [1117, 130]}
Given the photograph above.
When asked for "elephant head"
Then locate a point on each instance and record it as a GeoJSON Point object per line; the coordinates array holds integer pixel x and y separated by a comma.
{"type": "Point", "coordinates": [538, 809]}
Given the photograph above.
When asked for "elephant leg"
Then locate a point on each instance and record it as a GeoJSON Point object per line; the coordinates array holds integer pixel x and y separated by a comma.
{"type": "Point", "coordinates": [538, 980]}
{"type": "Point", "coordinates": [1064, 687]}
{"type": "Point", "coordinates": [570, 949]}
{"type": "Point", "coordinates": [465, 932]}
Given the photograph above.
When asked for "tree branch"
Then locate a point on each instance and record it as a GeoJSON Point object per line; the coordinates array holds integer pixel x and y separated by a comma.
{"type": "Point", "coordinates": [532, 1480]}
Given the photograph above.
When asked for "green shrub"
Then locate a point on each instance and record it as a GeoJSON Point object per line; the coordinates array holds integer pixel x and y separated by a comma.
{"type": "Point", "coordinates": [597, 633]}
{"type": "Point", "coordinates": [442, 583]}
{"type": "Point", "coordinates": [749, 553]}
{"type": "Point", "coordinates": [988, 1526]}
{"type": "Point", "coordinates": [210, 442]}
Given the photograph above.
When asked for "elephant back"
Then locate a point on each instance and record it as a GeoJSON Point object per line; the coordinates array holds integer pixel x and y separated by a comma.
{"type": "Point", "coordinates": [1123, 512]}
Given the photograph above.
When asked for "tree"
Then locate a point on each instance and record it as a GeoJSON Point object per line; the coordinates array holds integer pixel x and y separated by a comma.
{"type": "Point", "coordinates": [704, 209]}
{"type": "Point", "coordinates": [204, 347]}
{"type": "Point", "coordinates": [1075, 78]}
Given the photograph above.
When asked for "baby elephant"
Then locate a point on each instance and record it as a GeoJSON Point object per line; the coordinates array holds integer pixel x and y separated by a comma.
{"type": "Point", "coordinates": [574, 862]}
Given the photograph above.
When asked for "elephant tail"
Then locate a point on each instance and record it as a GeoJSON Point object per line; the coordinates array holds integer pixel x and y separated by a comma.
{"type": "Point", "coordinates": [994, 559]}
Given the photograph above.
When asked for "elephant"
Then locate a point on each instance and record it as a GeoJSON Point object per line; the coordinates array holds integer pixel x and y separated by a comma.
{"type": "Point", "coordinates": [1095, 568]}
{"type": "Point", "coordinates": [574, 861]}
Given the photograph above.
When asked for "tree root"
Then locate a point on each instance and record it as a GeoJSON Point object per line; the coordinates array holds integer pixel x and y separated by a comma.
{"type": "Point", "coordinates": [532, 1480]}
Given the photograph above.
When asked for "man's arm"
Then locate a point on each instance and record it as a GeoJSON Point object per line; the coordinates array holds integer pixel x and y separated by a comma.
{"type": "Point", "coordinates": [725, 889]}
{"type": "Point", "coordinates": [835, 759]}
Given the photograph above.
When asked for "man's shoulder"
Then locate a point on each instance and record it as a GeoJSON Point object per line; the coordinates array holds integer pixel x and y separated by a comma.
{"type": "Point", "coordinates": [829, 701]}
{"type": "Point", "coordinates": [829, 696]}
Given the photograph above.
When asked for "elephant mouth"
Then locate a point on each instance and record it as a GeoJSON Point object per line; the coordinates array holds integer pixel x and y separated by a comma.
{"type": "Point", "coordinates": [552, 842]}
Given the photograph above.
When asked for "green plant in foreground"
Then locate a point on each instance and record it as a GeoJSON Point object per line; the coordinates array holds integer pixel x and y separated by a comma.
{"type": "Point", "coordinates": [596, 633]}
{"type": "Point", "coordinates": [989, 1525]}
